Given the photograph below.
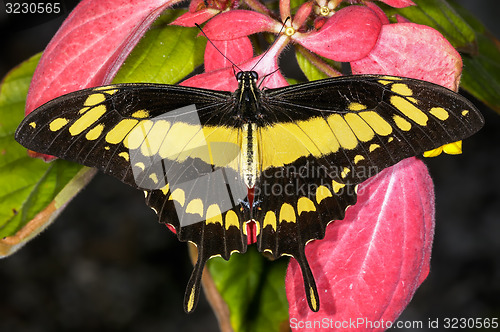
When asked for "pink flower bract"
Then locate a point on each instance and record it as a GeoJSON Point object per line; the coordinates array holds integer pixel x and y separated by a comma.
{"type": "Point", "coordinates": [370, 264]}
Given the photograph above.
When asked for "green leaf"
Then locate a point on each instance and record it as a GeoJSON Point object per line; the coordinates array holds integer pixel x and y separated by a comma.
{"type": "Point", "coordinates": [166, 54]}
{"type": "Point", "coordinates": [295, 4]}
{"type": "Point", "coordinates": [439, 15]}
{"type": "Point", "coordinates": [27, 185]}
{"type": "Point", "coordinates": [308, 68]}
{"type": "Point", "coordinates": [481, 73]}
{"type": "Point", "coordinates": [253, 288]}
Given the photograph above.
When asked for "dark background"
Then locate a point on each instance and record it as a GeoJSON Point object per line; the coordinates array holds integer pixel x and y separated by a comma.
{"type": "Point", "coordinates": [107, 264]}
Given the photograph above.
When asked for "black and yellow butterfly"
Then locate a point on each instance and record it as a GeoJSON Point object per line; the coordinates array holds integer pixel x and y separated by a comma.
{"type": "Point", "coordinates": [300, 151]}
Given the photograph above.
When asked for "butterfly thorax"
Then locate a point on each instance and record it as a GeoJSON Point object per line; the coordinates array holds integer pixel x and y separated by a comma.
{"type": "Point", "coordinates": [248, 110]}
{"type": "Point", "coordinates": [247, 97]}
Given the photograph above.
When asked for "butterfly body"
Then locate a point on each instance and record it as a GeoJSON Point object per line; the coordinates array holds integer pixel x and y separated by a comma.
{"type": "Point", "coordinates": [302, 149]}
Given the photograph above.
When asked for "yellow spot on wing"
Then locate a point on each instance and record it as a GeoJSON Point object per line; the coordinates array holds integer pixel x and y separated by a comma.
{"type": "Point", "coordinates": [154, 177]}
{"type": "Point", "coordinates": [87, 119]}
{"type": "Point", "coordinates": [178, 195]}
{"type": "Point", "coordinates": [465, 112]}
{"type": "Point", "coordinates": [95, 132]}
{"type": "Point", "coordinates": [154, 138]}
{"type": "Point", "coordinates": [401, 123]}
{"type": "Point", "coordinates": [195, 206]}
{"type": "Point", "coordinates": [344, 134]}
{"type": "Point", "coordinates": [57, 124]}
{"type": "Point", "coordinates": [106, 89]}
{"type": "Point", "coordinates": [391, 78]}
{"type": "Point", "coordinates": [270, 220]}
{"type": "Point", "coordinates": [337, 186]}
{"type": "Point", "coordinates": [345, 171]}
{"type": "Point", "coordinates": [190, 303]}
{"type": "Point", "coordinates": [402, 89]}
{"type": "Point", "coordinates": [213, 215]}
{"type": "Point", "coordinates": [140, 165]}
{"type": "Point", "coordinates": [314, 301]}
{"type": "Point", "coordinates": [433, 153]}
{"type": "Point", "coordinates": [304, 204]}
{"type": "Point", "coordinates": [136, 137]}
{"type": "Point", "coordinates": [376, 122]}
{"type": "Point", "coordinates": [361, 129]}
{"type": "Point", "coordinates": [322, 192]}
{"type": "Point", "coordinates": [222, 154]}
{"type": "Point", "coordinates": [294, 140]}
{"type": "Point", "coordinates": [453, 148]}
{"type": "Point", "coordinates": [439, 113]}
{"type": "Point", "coordinates": [120, 130]}
{"type": "Point", "coordinates": [33, 125]}
{"type": "Point", "coordinates": [181, 140]}
{"type": "Point", "coordinates": [356, 106]}
{"type": "Point", "coordinates": [373, 147]}
{"type": "Point", "coordinates": [318, 131]}
{"type": "Point", "coordinates": [450, 148]}
{"type": "Point", "coordinates": [140, 114]}
{"type": "Point", "coordinates": [232, 219]}
{"type": "Point", "coordinates": [410, 110]}
{"type": "Point", "coordinates": [94, 99]}
{"type": "Point", "coordinates": [287, 213]}
{"type": "Point", "coordinates": [165, 189]}
{"type": "Point", "coordinates": [124, 155]}
{"type": "Point", "coordinates": [358, 158]}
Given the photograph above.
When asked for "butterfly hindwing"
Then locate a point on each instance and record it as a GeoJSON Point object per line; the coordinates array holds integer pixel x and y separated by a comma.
{"type": "Point", "coordinates": [310, 197]}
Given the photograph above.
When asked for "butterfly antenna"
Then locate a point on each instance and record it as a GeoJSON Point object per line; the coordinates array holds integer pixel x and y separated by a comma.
{"type": "Point", "coordinates": [211, 42]}
{"type": "Point", "coordinates": [262, 57]}
{"type": "Point", "coordinates": [266, 76]}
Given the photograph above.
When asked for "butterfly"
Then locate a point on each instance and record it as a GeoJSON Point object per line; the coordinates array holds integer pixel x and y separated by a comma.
{"type": "Point", "coordinates": [288, 159]}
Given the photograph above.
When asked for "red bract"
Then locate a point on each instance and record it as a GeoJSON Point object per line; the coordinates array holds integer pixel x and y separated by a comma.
{"type": "Point", "coordinates": [224, 79]}
{"type": "Point", "coordinates": [236, 49]}
{"type": "Point", "coordinates": [398, 3]}
{"type": "Point", "coordinates": [348, 35]}
{"type": "Point", "coordinates": [372, 261]}
{"type": "Point", "coordinates": [239, 23]}
{"type": "Point", "coordinates": [413, 50]}
{"type": "Point", "coordinates": [392, 3]}
{"type": "Point", "coordinates": [90, 47]}
{"type": "Point", "coordinates": [199, 12]}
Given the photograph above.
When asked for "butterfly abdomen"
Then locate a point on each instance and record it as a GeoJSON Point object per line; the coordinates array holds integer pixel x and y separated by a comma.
{"type": "Point", "coordinates": [249, 154]}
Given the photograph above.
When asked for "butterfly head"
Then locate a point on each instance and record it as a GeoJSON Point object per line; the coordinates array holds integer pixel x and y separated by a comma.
{"type": "Point", "coordinates": [246, 79]}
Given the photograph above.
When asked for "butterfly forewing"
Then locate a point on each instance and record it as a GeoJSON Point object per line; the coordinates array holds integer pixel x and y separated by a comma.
{"type": "Point", "coordinates": [304, 149]}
